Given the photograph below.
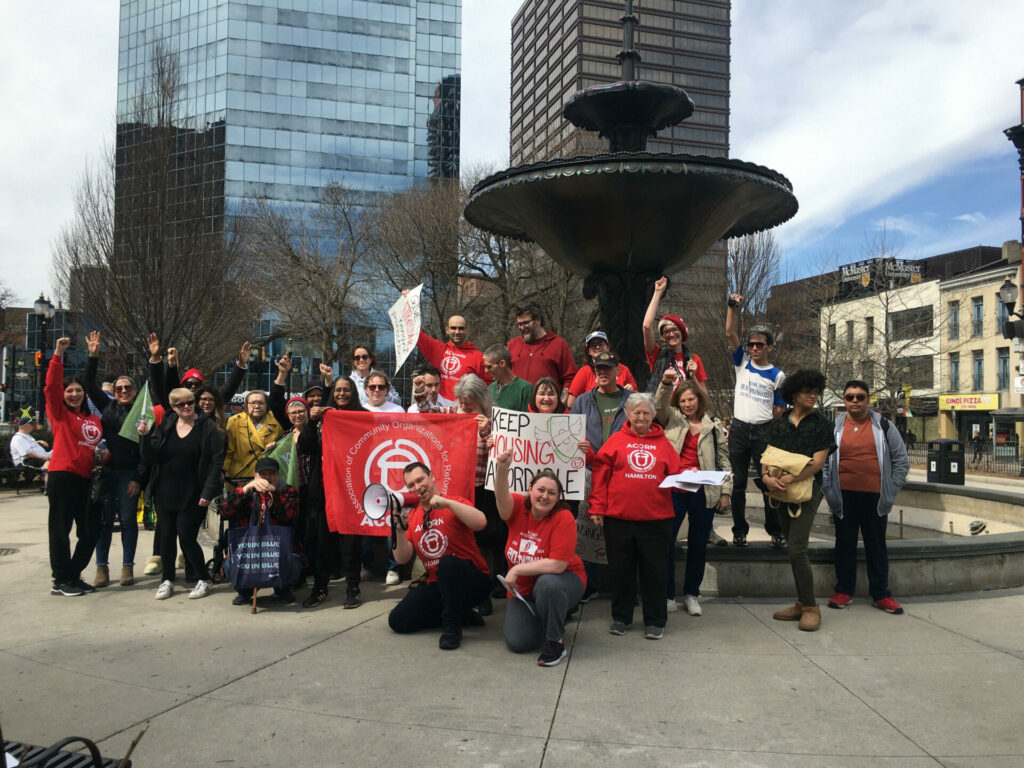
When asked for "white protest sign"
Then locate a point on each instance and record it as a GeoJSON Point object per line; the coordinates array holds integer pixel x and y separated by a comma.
{"type": "Point", "coordinates": [405, 320]}
{"type": "Point", "coordinates": [590, 542]}
{"type": "Point", "coordinates": [539, 441]}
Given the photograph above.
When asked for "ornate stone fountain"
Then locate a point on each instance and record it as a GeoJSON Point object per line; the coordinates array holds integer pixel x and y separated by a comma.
{"type": "Point", "coordinates": [623, 218]}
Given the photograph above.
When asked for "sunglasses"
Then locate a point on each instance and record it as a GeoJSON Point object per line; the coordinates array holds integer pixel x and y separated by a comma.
{"type": "Point", "coordinates": [755, 344]}
{"type": "Point", "coordinates": [191, 384]}
{"type": "Point", "coordinates": [124, 388]}
{"type": "Point", "coordinates": [360, 357]}
{"type": "Point", "coordinates": [184, 403]}
{"type": "Point", "coordinates": [376, 387]}
{"type": "Point", "coordinates": [858, 398]}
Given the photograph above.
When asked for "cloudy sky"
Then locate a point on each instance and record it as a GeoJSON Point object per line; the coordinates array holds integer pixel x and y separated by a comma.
{"type": "Point", "coordinates": [885, 115]}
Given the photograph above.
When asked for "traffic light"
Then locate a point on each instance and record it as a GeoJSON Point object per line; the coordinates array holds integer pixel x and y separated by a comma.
{"type": "Point", "coordinates": [39, 358]}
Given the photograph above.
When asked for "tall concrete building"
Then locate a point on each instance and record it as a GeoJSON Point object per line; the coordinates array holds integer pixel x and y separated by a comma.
{"type": "Point", "coordinates": [563, 46]}
{"type": "Point", "coordinates": [560, 47]}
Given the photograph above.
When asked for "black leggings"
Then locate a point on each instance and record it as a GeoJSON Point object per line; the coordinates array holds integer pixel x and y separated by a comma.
{"type": "Point", "coordinates": [445, 602]}
{"type": "Point", "coordinates": [329, 547]}
{"type": "Point", "coordinates": [182, 527]}
{"type": "Point", "coordinates": [69, 504]}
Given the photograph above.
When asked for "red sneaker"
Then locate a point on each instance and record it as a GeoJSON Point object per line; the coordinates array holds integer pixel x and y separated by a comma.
{"type": "Point", "coordinates": [889, 605]}
{"type": "Point", "coordinates": [839, 600]}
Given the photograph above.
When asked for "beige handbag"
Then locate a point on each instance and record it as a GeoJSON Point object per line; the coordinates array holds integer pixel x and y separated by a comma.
{"type": "Point", "coordinates": [779, 462]}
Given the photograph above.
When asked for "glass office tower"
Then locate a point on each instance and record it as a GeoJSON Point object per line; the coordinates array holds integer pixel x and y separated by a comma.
{"type": "Point", "coordinates": [280, 97]}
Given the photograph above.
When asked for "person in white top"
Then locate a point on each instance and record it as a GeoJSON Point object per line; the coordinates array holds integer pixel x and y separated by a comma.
{"type": "Point", "coordinates": [25, 449]}
{"type": "Point", "coordinates": [377, 387]}
{"type": "Point", "coordinates": [426, 393]}
{"type": "Point", "coordinates": [363, 362]}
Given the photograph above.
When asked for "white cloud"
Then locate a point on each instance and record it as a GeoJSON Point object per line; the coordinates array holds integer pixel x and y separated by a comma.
{"type": "Point", "coordinates": [905, 225]}
{"type": "Point", "coordinates": [971, 218]}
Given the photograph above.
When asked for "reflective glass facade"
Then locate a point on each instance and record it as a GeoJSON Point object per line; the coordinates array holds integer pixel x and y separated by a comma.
{"type": "Point", "coordinates": [289, 95]}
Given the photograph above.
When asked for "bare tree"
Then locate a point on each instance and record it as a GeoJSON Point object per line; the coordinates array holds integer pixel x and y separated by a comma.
{"type": "Point", "coordinates": [9, 327]}
{"type": "Point", "coordinates": [146, 249]}
{"type": "Point", "coordinates": [309, 263]}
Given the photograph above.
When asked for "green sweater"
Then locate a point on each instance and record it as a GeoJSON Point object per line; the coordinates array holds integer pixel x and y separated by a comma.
{"type": "Point", "coordinates": [515, 396]}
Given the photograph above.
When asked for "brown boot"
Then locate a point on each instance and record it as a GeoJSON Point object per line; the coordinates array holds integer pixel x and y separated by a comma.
{"type": "Point", "coordinates": [810, 619]}
{"type": "Point", "coordinates": [102, 576]}
{"type": "Point", "coordinates": [789, 614]}
{"type": "Point", "coordinates": [127, 575]}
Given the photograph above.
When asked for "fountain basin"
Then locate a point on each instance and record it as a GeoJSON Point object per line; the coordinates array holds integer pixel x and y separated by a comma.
{"type": "Point", "coordinates": [630, 211]}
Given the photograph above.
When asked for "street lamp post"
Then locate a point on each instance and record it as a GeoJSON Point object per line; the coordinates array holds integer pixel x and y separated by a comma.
{"type": "Point", "coordinates": [44, 312]}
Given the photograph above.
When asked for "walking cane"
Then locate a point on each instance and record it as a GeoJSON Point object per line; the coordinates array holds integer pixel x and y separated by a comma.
{"type": "Point", "coordinates": [253, 610]}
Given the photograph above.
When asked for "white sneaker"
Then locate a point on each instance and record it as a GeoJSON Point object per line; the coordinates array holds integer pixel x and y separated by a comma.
{"type": "Point", "coordinates": [691, 605]}
{"type": "Point", "coordinates": [392, 578]}
{"type": "Point", "coordinates": [672, 605]}
{"type": "Point", "coordinates": [201, 589]}
{"type": "Point", "coordinates": [154, 565]}
{"type": "Point", "coordinates": [165, 590]}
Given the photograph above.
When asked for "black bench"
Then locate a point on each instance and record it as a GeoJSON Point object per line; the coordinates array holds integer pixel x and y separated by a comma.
{"type": "Point", "coordinates": [55, 756]}
{"type": "Point", "coordinates": [11, 475]}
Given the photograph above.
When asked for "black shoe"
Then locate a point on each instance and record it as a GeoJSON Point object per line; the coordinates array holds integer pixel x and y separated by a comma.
{"type": "Point", "coordinates": [486, 608]}
{"type": "Point", "coordinates": [451, 638]}
{"type": "Point", "coordinates": [317, 596]}
{"type": "Point", "coordinates": [552, 654]}
{"type": "Point", "coordinates": [778, 541]}
{"type": "Point", "coordinates": [286, 596]}
{"type": "Point", "coordinates": [740, 541]}
{"type": "Point", "coordinates": [86, 588]}
{"type": "Point", "coordinates": [65, 589]}
{"type": "Point", "coordinates": [473, 619]}
{"type": "Point", "coordinates": [242, 600]}
{"type": "Point", "coordinates": [588, 594]}
{"type": "Point", "coordinates": [352, 598]}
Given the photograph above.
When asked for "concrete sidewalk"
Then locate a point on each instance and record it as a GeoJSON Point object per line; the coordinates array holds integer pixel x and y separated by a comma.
{"type": "Point", "coordinates": [939, 686]}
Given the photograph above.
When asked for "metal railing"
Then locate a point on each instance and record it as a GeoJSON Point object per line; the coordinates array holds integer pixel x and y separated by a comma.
{"type": "Point", "coordinates": [1005, 460]}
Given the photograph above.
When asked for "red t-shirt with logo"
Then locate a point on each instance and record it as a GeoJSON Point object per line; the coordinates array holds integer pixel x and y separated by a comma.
{"type": "Point", "coordinates": [530, 540]}
{"type": "Point", "coordinates": [453, 362]}
{"type": "Point", "coordinates": [627, 472]}
{"type": "Point", "coordinates": [446, 535]}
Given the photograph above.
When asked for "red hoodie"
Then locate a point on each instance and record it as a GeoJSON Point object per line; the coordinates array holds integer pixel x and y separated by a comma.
{"type": "Point", "coordinates": [452, 361]}
{"type": "Point", "coordinates": [627, 471]}
{"type": "Point", "coordinates": [75, 434]}
{"type": "Point", "coordinates": [547, 356]}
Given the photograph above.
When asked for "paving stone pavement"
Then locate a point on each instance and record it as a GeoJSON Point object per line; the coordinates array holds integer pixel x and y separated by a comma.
{"type": "Point", "coordinates": [216, 685]}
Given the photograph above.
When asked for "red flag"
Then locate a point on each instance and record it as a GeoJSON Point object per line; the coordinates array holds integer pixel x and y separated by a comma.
{"type": "Point", "coordinates": [365, 447]}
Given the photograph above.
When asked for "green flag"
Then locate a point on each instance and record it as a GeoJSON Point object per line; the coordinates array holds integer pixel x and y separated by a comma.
{"type": "Point", "coordinates": [142, 408]}
{"type": "Point", "coordinates": [287, 456]}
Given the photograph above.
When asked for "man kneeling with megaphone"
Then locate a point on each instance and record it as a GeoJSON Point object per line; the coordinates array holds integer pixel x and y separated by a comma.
{"type": "Point", "coordinates": [440, 531]}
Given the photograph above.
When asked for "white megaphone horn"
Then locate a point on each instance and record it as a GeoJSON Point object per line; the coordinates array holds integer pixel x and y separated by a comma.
{"type": "Point", "coordinates": [378, 501]}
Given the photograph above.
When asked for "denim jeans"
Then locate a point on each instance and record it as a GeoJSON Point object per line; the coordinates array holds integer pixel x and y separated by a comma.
{"type": "Point", "coordinates": [692, 505]}
{"type": "Point", "coordinates": [121, 507]}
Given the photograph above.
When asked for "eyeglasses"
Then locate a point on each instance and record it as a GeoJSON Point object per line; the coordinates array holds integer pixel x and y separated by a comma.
{"type": "Point", "coordinates": [755, 344]}
{"type": "Point", "coordinates": [360, 357]}
{"type": "Point", "coordinates": [185, 403]}
{"type": "Point", "coordinates": [667, 331]}
{"type": "Point", "coordinates": [858, 398]}
{"type": "Point", "coordinates": [524, 323]}
{"type": "Point", "coordinates": [596, 344]}
{"type": "Point", "coordinates": [376, 387]}
{"type": "Point", "coordinates": [207, 399]}
{"type": "Point", "coordinates": [124, 388]}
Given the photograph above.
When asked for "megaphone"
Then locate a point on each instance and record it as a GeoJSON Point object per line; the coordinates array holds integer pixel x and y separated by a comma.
{"type": "Point", "coordinates": [378, 501]}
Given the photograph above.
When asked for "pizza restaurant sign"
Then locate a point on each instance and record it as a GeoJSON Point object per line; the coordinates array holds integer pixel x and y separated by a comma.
{"type": "Point", "coordinates": [986, 401]}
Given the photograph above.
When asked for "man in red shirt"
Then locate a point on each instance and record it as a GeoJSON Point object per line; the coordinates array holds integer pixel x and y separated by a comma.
{"type": "Point", "coordinates": [440, 531]}
{"type": "Point", "coordinates": [539, 352]}
{"type": "Point", "coordinates": [454, 358]}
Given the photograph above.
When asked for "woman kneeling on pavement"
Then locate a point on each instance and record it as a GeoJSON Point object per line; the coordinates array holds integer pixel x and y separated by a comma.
{"type": "Point", "coordinates": [700, 442]}
{"type": "Point", "coordinates": [267, 494]}
{"type": "Point", "coordinates": [636, 515]}
{"type": "Point", "coordinates": [542, 563]}
{"type": "Point", "coordinates": [802, 430]}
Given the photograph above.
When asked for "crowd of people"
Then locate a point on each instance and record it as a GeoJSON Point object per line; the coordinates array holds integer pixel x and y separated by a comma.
{"type": "Point", "coordinates": [498, 545]}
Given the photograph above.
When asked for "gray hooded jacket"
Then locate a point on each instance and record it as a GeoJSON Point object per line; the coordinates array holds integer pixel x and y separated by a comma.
{"type": "Point", "coordinates": [893, 463]}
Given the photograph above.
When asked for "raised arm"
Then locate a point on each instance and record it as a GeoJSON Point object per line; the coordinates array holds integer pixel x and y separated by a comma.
{"type": "Point", "coordinates": [502, 494]}
{"type": "Point", "coordinates": [276, 399]}
{"type": "Point", "coordinates": [651, 317]}
{"type": "Point", "coordinates": [92, 387]}
{"type": "Point", "coordinates": [237, 373]}
{"type": "Point", "coordinates": [732, 321]}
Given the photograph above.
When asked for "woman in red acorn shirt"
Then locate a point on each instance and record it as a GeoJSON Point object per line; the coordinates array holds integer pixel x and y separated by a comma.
{"type": "Point", "coordinates": [542, 563]}
{"type": "Point", "coordinates": [636, 514]}
{"type": "Point", "coordinates": [76, 437]}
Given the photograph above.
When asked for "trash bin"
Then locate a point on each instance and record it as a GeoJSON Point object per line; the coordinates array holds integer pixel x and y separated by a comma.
{"type": "Point", "coordinates": [946, 461]}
